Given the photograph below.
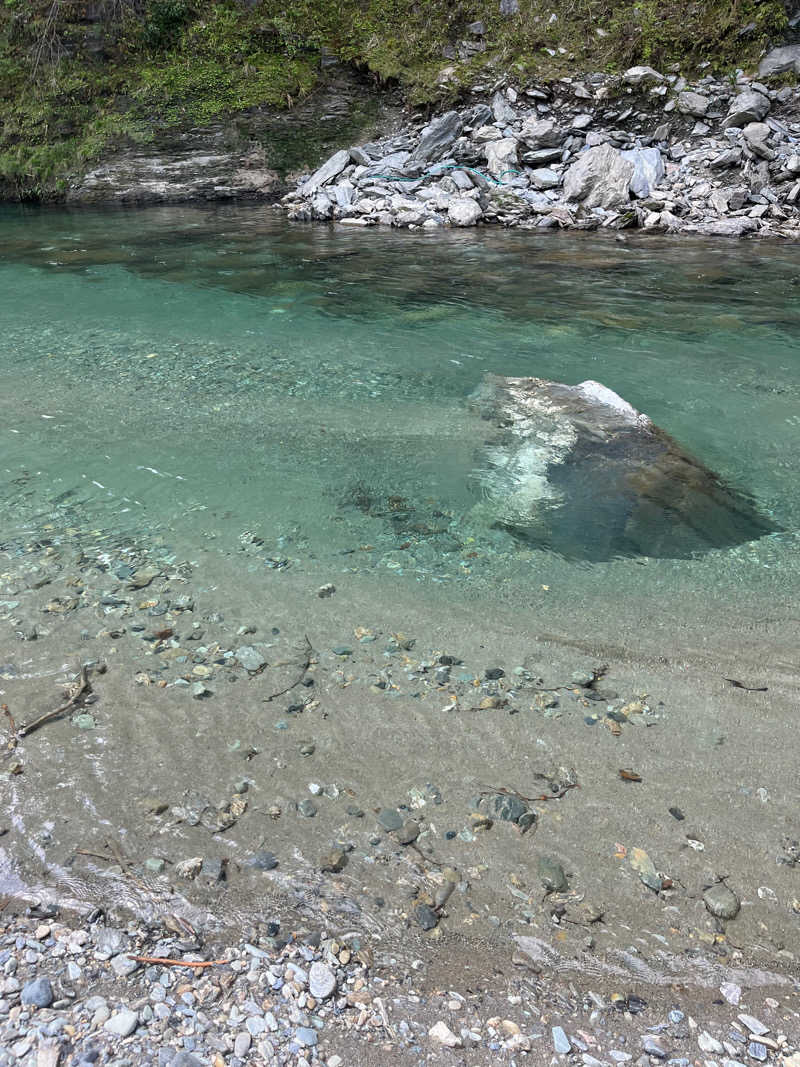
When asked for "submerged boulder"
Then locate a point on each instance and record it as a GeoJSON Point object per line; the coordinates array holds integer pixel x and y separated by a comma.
{"type": "Point", "coordinates": [578, 470]}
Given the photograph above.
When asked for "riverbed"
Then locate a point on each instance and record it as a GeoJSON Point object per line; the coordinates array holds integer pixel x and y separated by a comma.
{"type": "Point", "coordinates": [221, 432]}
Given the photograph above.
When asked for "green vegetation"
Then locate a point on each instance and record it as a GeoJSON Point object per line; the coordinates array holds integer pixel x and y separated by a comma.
{"type": "Point", "coordinates": [78, 77]}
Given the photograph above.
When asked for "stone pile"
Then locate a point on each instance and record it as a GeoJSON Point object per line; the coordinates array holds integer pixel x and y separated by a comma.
{"type": "Point", "coordinates": [644, 149]}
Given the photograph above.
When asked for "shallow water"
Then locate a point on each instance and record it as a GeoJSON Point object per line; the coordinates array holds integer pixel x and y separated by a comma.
{"type": "Point", "coordinates": [219, 373]}
{"type": "Point", "coordinates": [289, 406]}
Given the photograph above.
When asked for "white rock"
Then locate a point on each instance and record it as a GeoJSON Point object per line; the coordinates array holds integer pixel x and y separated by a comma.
{"type": "Point", "coordinates": [501, 156]}
{"type": "Point", "coordinates": [707, 1043]}
{"type": "Point", "coordinates": [641, 76]}
{"type": "Point", "coordinates": [123, 1023]}
{"type": "Point", "coordinates": [321, 981]}
{"type": "Point", "coordinates": [600, 177]}
{"type": "Point", "coordinates": [463, 211]}
{"type": "Point", "coordinates": [444, 1035]}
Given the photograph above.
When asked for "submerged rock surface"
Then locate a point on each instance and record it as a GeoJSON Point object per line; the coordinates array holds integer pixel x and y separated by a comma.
{"type": "Point", "coordinates": [577, 469]}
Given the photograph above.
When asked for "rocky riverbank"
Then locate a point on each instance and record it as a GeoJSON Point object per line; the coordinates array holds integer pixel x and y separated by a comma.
{"type": "Point", "coordinates": [76, 992]}
{"type": "Point", "coordinates": [647, 149]}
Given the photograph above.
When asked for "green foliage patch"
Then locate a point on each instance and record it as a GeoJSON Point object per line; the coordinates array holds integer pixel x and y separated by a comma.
{"type": "Point", "coordinates": [78, 78]}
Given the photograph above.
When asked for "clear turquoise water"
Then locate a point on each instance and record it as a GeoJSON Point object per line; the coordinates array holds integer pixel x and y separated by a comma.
{"type": "Point", "coordinates": [214, 375]}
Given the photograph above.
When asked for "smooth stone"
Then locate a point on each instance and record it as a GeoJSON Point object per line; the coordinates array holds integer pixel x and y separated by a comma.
{"type": "Point", "coordinates": [755, 1026]}
{"type": "Point", "coordinates": [442, 1033]}
{"type": "Point", "coordinates": [408, 832]}
{"type": "Point", "coordinates": [38, 993]}
{"type": "Point", "coordinates": [306, 1036]}
{"type": "Point", "coordinates": [551, 875]}
{"type": "Point", "coordinates": [653, 1047]}
{"type": "Point", "coordinates": [307, 808]}
{"type": "Point", "coordinates": [321, 981]}
{"type": "Point", "coordinates": [390, 819]}
{"type": "Point", "coordinates": [757, 1051]}
{"type": "Point", "coordinates": [721, 901]}
{"type": "Point", "coordinates": [250, 658]}
{"type": "Point", "coordinates": [561, 1043]}
{"type": "Point", "coordinates": [241, 1046]}
{"type": "Point", "coordinates": [425, 917]}
{"type": "Point", "coordinates": [123, 1023]}
{"type": "Point", "coordinates": [263, 861]}
{"type": "Point", "coordinates": [123, 966]}
{"type": "Point", "coordinates": [255, 1025]}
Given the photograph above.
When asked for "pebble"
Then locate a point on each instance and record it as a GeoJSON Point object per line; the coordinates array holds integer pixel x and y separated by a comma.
{"type": "Point", "coordinates": [757, 1051]}
{"type": "Point", "coordinates": [442, 1033]}
{"type": "Point", "coordinates": [241, 1045]}
{"type": "Point", "coordinates": [653, 1047]}
{"type": "Point", "coordinates": [321, 981]}
{"type": "Point", "coordinates": [307, 808]}
{"type": "Point", "coordinates": [721, 901]}
{"type": "Point", "coordinates": [561, 1043]}
{"type": "Point", "coordinates": [123, 1023]}
{"type": "Point", "coordinates": [755, 1026]}
{"type": "Point", "coordinates": [390, 819]}
{"type": "Point", "coordinates": [306, 1036]}
{"type": "Point", "coordinates": [38, 993]}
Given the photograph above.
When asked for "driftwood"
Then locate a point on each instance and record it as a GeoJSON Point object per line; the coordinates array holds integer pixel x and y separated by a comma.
{"type": "Point", "coordinates": [308, 652]}
{"type": "Point", "coordinates": [77, 690]}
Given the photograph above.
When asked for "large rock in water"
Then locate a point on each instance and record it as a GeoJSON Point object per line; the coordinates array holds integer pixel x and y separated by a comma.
{"type": "Point", "coordinates": [577, 470]}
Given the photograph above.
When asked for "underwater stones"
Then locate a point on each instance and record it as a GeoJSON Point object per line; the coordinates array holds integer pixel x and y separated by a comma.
{"type": "Point", "coordinates": [578, 470]}
{"type": "Point", "coordinates": [551, 875]}
{"type": "Point", "coordinates": [721, 901]}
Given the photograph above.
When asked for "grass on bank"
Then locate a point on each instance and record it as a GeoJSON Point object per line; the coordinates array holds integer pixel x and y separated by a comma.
{"type": "Point", "coordinates": [78, 78]}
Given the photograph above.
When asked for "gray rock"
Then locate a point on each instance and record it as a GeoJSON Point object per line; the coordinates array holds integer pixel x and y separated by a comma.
{"type": "Point", "coordinates": [509, 7]}
{"type": "Point", "coordinates": [123, 966]}
{"type": "Point", "coordinates": [600, 177]}
{"type": "Point", "coordinates": [780, 60]}
{"type": "Point", "coordinates": [390, 818]}
{"type": "Point", "coordinates": [544, 178]}
{"type": "Point", "coordinates": [425, 917]}
{"type": "Point", "coordinates": [250, 658]}
{"type": "Point", "coordinates": [502, 806]}
{"type": "Point", "coordinates": [750, 106]}
{"type": "Point", "coordinates": [38, 993]}
{"type": "Point", "coordinates": [648, 170]}
{"type": "Point", "coordinates": [719, 900]}
{"type": "Point", "coordinates": [689, 103]}
{"type": "Point", "coordinates": [123, 1023]}
{"type": "Point", "coordinates": [213, 871]}
{"type": "Point", "coordinates": [241, 1046]}
{"type": "Point", "coordinates": [678, 507]}
{"type": "Point", "coordinates": [641, 76]}
{"type": "Point", "coordinates": [305, 1036]}
{"type": "Point", "coordinates": [653, 1047]}
{"type": "Point", "coordinates": [307, 808]}
{"type": "Point", "coordinates": [330, 169]}
{"type": "Point", "coordinates": [437, 136]}
{"type": "Point", "coordinates": [551, 875]}
{"type": "Point", "coordinates": [263, 861]}
{"type": "Point", "coordinates": [502, 109]}
{"type": "Point", "coordinates": [464, 211]}
{"type": "Point", "coordinates": [755, 1026]}
{"type": "Point", "coordinates": [185, 1059]}
{"type": "Point", "coordinates": [541, 133]}
{"type": "Point", "coordinates": [755, 135]}
{"type": "Point", "coordinates": [757, 1051]}
{"type": "Point", "coordinates": [737, 227]}
{"type": "Point", "coordinates": [408, 832]}
{"type": "Point", "coordinates": [109, 941]}
{"type": "Point", "coordinates": [501, 157]}
{"type": "Point", "coordinates": [321, 981]}
{"type": "Point", "coordinates": [561, 1043]}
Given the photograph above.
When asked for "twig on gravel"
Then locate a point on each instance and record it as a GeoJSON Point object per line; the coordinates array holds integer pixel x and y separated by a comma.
{"type": "Point", "coordinates": [179, 963]}
{"type": "Point", "coordinates": [307, 652]}
{"type": "Point", "coordinates": [78, 688]}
